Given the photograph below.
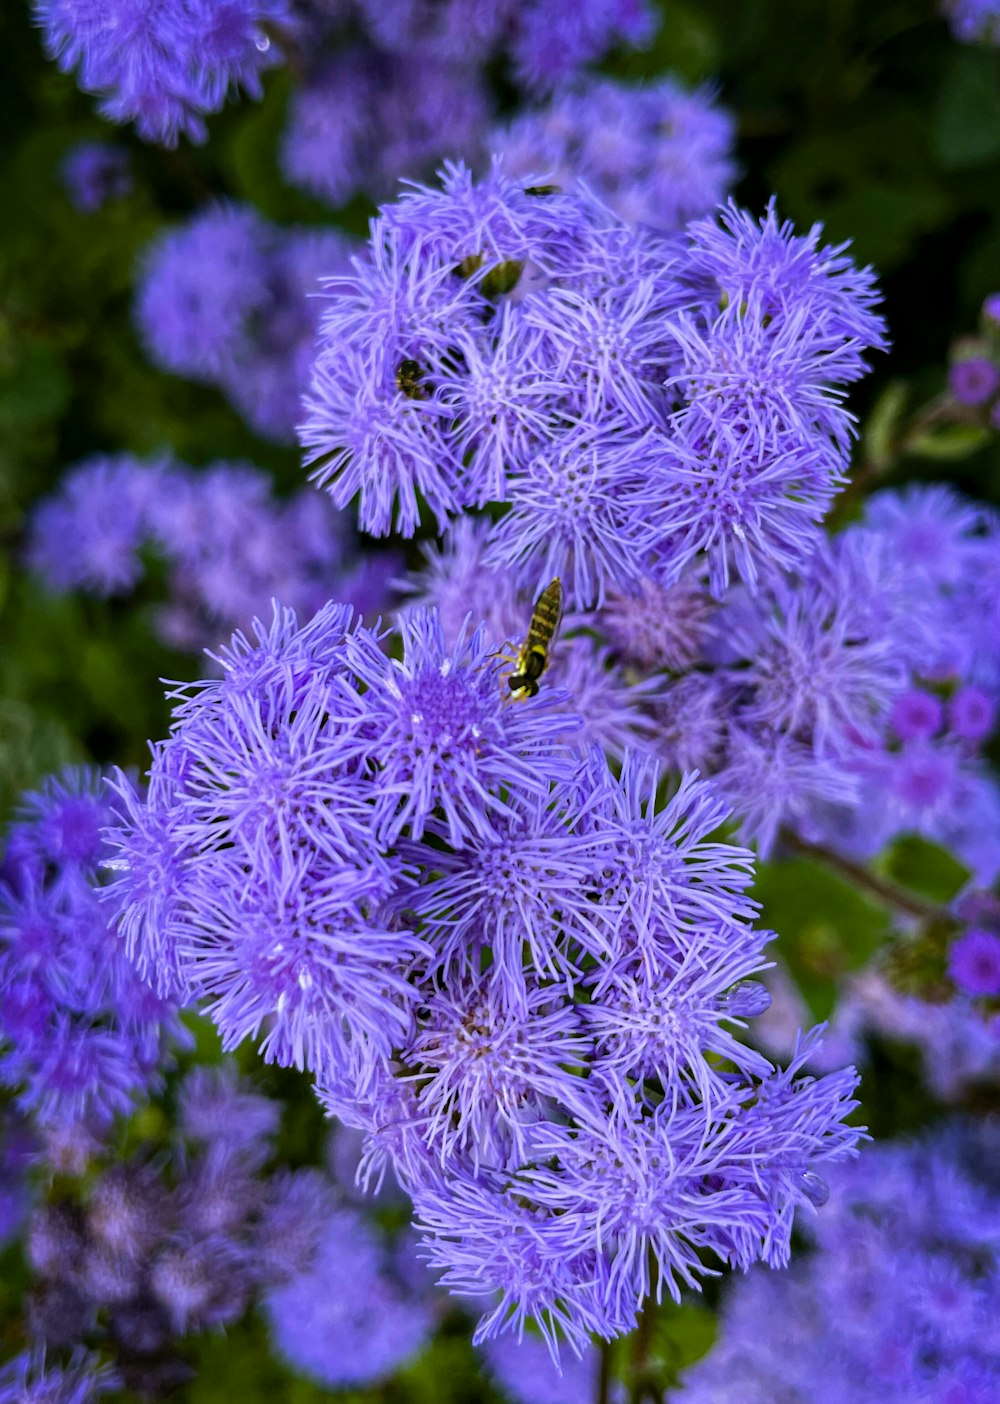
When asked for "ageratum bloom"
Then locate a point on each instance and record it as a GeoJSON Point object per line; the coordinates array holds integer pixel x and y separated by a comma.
{"type": "Point", "coordinates": [639, 406]}
{"type": "Point", "coordinates": [974, 19]}
{"type": "Point", "coordinates": [365, 117]}
{"type": "Point", "coordinates": [230, 547]}
{"type": "Point", "coordinates": [80, 1034]}
{"type": "Point", "coordinates": [513, 969]}
{"type": "Point", "coordinates": [164, 67]}
{"type": "Point", "coordinates": [897, 1299]}
{"type": "Point", "coordinates": [225, 299]}
{"type": "Point", "coordinates": [95, 173]}
{"type": "Point", "coordinates": [343, 1321]}
{"type": "Point", "coordinates": [656, 154]}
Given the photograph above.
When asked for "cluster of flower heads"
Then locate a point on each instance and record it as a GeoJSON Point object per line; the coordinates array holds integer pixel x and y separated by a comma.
{"type": "Point", "coordinates": [848, 700]}
{"type": "Point", "coordinates": [898, 1300]}
{"type": "Point", "coordinates": [637, 404]}
{"type": "Point", "coordinates": [31, 1379]}
{"type": "Point", "coordinates": [974, 375]}
{"type": "Point", "coordinates": [81, 1035]}
{"type": "Point", "coordinates": [227, 299]}
{"type": "Point", "coordinates": [657, 155]}
{"type": "Point", "coordinates": [934, 602]}
{"type": "Point", "coordinates": [229, 545]}
{"type": "Point", "coordinates": [96, 173]}
{"type": "Point", "coordinates": [520, 975]}
{"type": "Point", "coordinates": [974, 19]}
{"type": "Point", "coordinates": [364, 117]}
{"type": "Point", "coordinates": [137, 1255]}
{"type": "Point", "coordinates": [164, 66]}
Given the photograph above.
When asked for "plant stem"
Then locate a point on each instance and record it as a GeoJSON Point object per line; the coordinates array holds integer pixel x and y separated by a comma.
{"type": "Point", "coordinates": [885, 892]}
{"type": "Point", "coordinates": [604, 1375]}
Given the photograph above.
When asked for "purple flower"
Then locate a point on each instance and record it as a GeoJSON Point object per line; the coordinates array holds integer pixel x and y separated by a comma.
{"type": "Point", "coordinates": [199, 287]}
{"type": "Point", "coordinates": [525, 1371]}
{"type": "Point", "coordinates": [225, 300]}
{"type": "Point", "coordinates": [656, 155]}
{"type": "Point", "coordinates": [445, 737]}
{"type": "Point", "coordinates": [974, 381]}
{"type": "Point", "coordinates": [974, 962]}
{"type": "Point", "coordinates": [916, 715]}
{"type": "Point", "coordinates": [27, 1379]}
{"type": "Point", "coordinates": [659, 626]}
{"type": "Point", "coordinates": [635, 404]}
{"type": "Point", "coordinates": [163, 67]}
{"type": "Point", "coordinates": [96, 173]}
{"type": "Point", "coordinates": [974, 19]}
{"type": "Point", "coordinates": [366, 118]}
{"type": "Point", "coordinates": [343, 1322]}
{"type": "Point", "coordinates": [518, 972]}
{"type": "Point", "coordinates": [81, 1034]}
{"type": "Point", "coordinates": [553, 42]}
{"type": "Point", "coordinates": [972, 713]}
{"type": "Point", "coordinates": [89, 534]}
{"type": "Point", "coordinates": [991, 309]}
{"type": "Point", "coordinates": [895, 1300]}
{"type": "Point", "coordinates": [231, 547]}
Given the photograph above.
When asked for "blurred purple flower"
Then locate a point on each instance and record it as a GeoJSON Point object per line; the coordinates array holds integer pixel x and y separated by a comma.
{"type": "Point", "coordinates": [974, 962]}
{"type": "Point", "coordinates": [656, 154]}
{"type": "Point", "coordinates": [163, 67]}
{"type": "Point", "coordinates": [974, 381]}
{"type": "Point", "coordinates": [96, 173]}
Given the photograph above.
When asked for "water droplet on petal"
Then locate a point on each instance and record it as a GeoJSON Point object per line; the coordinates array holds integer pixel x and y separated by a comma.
{"type": "Point", "coordinates": [263, 43]}
{"type": "Point", "coordinates": [115, 865]}
{"type": "Point", "coordinates": [816, 1189]}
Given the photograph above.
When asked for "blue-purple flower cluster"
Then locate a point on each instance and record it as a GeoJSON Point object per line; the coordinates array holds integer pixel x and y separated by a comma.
{"type": "Point", "coordinates": [164, 66]}
{"type": "Point", "coordinates": [974, 374]}
{"type": "Point", "coordinates": [521, 974]}
{"type": "Point", "coordinates": [364, 118]}
{"type": "Point", "coordinates": [227, 299]}
{"type": "Point", "coordinates": [638, 405]}
{"type": "Point", "coordinates": [81, 1035]}
{"type": "Point", "coordinates": [658, 155]}
{"type": "Point", "coordinates": [387, 85]}
{"type": "Point", "coordinates": [974, 19]}
{"type": "Point", "coordinates": [848, 700]}
{"type": "Point", "coordinates": [918, 766]}
{"type": "Point", "coordinates": [96, 173]}
{"type": "Point", "coordinates": [897, 1302]}
{"type": "Point", "coordinates": [137, 1254]}
{"type": "Point", "coordinates": [229, 545]}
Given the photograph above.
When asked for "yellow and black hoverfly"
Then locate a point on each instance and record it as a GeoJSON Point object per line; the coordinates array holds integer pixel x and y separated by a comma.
{"type": "Point", "coordinates": [533, 654]}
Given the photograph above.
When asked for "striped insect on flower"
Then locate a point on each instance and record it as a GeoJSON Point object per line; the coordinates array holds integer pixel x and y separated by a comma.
{"type": "Point", "coordinates": [533, 654]}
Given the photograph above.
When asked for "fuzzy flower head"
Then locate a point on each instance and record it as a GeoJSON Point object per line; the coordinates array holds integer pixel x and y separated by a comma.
{"type": "Point", "coordinates": [163, 67]}
{"type": "Point", "coordinates": [973, 20]}
{"type": "Point", "coordinates": [894, 1301]}
{"type": "Point", "coordinates": [81, 1034]}
{"type": "Point", "coordinates": [344, 1322]}
{"type": "Point", "coordinates": [637, 405]}
{"type": "Point", "coordinates": [95, 173]}
{"type": "Point", "coordinates": [226, 299]}
{"type": "Point", "coordinates": [364, 106]}
{"type": "Point", "coordinates": [656, 155]}
{"type": "Point", "coordinates": [229, 546]}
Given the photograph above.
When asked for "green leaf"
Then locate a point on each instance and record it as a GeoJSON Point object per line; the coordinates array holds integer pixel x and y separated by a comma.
{"type": "Point", "coordinates": [924, 868]}
{"type": "Point", "coordinates": [683, 1335]}
{"type": "Point", "coordinates": [967, 117]}
{"type": "Point", "coordinates": [950, 442]}
{"type": "Point", "coordinates": [881, 429]}
{"type": "Point", "coordinates": [825, 926]}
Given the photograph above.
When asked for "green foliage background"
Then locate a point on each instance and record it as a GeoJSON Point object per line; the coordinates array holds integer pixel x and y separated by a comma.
{"type": "Point", "coordinates": [868, 117]}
